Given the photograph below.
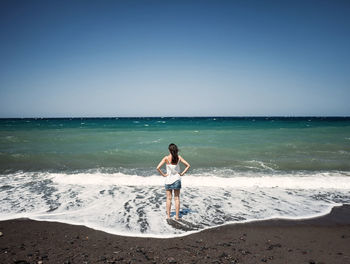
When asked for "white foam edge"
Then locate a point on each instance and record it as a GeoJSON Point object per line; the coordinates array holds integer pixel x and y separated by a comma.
{"type": "Point", "coordinates": [126, 234]}
{"type": "Point", "coordinates": [289, 181]}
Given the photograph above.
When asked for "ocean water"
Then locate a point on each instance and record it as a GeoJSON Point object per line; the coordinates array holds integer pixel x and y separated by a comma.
{"type": "Point", "coordinates": [101, 172]}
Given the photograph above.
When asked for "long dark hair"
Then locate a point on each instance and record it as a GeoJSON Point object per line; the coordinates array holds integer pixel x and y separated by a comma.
{"type": "Point", "coordinates": [174, 150]}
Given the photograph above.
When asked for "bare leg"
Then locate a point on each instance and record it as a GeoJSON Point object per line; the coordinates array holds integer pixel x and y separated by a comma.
{"type": "Point", "coordinates": [169, 196]}
{"type": "Point", "coordinates": [177, 202]}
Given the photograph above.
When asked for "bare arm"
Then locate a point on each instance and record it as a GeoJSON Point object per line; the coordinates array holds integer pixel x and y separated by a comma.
{"type": "Point", "coordinates": [160, 165]}
{"type": "Point", "coordinates": [186, 163]}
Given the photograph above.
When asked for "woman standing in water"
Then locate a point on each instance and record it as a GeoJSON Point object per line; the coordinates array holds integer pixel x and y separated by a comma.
{"type": "Point", "coordinates": [173, 177]}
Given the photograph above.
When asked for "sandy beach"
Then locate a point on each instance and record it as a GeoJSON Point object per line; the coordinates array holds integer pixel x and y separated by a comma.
{"type": "Point", "coordinates": [324, 239]}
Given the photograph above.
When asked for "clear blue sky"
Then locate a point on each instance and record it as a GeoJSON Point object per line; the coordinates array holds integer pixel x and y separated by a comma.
{"type": "Point", "coordinates": [174, 58]}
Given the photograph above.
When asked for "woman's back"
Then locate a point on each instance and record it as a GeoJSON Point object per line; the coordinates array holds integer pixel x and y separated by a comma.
{"type": "Point", "coordinates": [173, 172]}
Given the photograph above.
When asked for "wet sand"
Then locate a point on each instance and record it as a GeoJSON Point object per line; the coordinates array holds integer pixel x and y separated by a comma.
{"type": "Point", "coordinates": [324, 239]}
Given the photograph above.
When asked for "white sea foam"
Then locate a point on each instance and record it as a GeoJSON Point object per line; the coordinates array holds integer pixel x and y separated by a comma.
{"type": "Point", "coordinates": [242, 180]}
{"type": "Point", "coordinates": [134, 205]}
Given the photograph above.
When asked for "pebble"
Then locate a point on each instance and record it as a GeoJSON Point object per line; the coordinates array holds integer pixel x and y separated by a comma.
{"type": "Point", "coordinates": [223, 255]}
{"type": "Point", "coordinates": [171, 260]}
{"type": "Point", "coordinates": [141, 250]}
{"type": "Point", "coordinates": [1, 234]}
{"type": "Point", "coordinates": [244, 252]}
{"type": "Point", "coordinates": [273, 245]}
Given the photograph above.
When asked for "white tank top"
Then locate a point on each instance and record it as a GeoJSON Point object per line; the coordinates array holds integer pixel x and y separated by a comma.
{"type": "Point", "coordinates": [173, 172]}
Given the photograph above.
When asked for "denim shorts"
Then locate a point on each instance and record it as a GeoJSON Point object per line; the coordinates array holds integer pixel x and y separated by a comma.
{"type": "Point", "coordinates": [174, 186]}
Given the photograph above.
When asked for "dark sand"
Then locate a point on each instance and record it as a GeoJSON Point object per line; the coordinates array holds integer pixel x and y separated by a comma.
{"type": "Point", "coordinates": [323, 239]}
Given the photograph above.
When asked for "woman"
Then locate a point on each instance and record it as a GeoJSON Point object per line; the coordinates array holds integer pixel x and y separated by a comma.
{"type": "Point", "coordinates": [173, 177]}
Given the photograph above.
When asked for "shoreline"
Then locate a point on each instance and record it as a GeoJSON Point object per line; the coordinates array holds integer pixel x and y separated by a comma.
{"type": "Point", "coordinates": [275, 220]}
{"type": "Point", "coordinates": [322, 239]}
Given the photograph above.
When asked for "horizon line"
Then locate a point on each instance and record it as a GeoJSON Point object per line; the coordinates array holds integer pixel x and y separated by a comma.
{"type": "Point", "coordinates": [237, 116]}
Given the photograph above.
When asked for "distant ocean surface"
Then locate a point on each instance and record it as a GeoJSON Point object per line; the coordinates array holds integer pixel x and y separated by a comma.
{"type": "Point", "coordinates": [101, 172]}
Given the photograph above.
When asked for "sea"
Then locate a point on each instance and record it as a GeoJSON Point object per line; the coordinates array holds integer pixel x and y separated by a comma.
{"type": "Point", "coordinates": [101, 172]}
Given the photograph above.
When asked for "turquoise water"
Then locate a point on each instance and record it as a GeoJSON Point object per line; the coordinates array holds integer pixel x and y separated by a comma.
{"type": "Point", "coordinates": [139, 143]}
{"type": "Point", "coordinates": [101, 172]}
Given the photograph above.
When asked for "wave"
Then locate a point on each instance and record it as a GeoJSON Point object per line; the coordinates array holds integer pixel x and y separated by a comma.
{"type": "Point", "coordinates": [134, 205]}
{"type": "Point", "coordinates": [336, 180]}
